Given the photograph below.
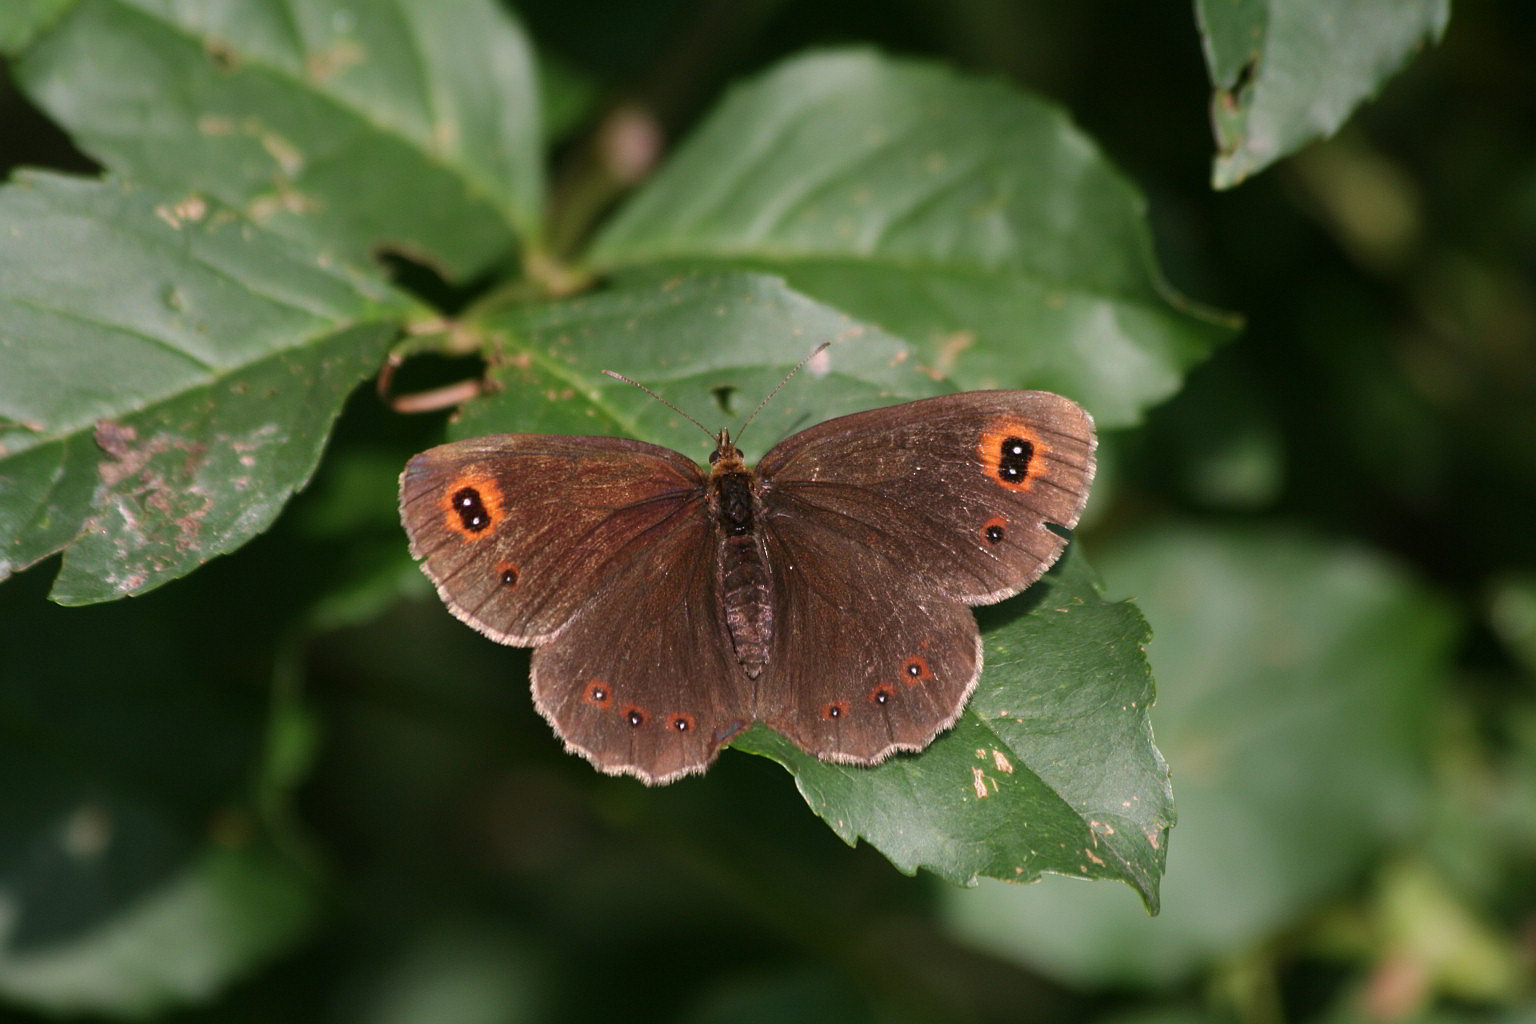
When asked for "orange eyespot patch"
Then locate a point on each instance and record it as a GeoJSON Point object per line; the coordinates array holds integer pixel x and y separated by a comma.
{"type": "Point", "coordinates": [472, 505]}
{"type": "Point", "coordinates": [1011, 453]}
{"type": "Point", "coordinates": [994, 531]}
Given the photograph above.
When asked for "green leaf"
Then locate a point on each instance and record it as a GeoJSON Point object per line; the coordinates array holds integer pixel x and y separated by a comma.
{"type": "Point", "coordinates": [168, 375]}
{"type": "Point", "coordinates": [1287, 72]}
{"type": "Point", "coordinates": [312, 120]}
{"type": "Point", "coordinates": [1050, 769]}
{"type": "Point", "coordinates": [20, 20]}
{"type": "Point", "coordinates": [962, 215]}
{"type": "Point", "coordinates": [1296, 683]}
{"type": "Point", "coordinates": [714, 344]}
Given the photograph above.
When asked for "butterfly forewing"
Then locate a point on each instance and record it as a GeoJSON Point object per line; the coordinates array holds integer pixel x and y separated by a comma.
{"type": "Point", "coordinates": [948, 495]}
{"type": "Point", "coordinates": [519, 531]}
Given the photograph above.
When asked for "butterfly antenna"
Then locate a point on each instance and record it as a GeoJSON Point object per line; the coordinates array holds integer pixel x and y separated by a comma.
{"type": "Point", "coordinates": [627, 380]}
{"type": "Point", "coordinates": [812, 354]}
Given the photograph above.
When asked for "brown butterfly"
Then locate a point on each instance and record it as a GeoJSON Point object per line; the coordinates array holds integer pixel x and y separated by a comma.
{"type": "Point", "coordinates": [824, 593]}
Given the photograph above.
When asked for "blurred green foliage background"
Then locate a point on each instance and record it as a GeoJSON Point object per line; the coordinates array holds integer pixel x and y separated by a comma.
{"type": "Point", "coordinates": [1331, 528]}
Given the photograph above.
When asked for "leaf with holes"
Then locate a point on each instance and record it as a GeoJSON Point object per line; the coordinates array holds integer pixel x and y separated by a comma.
{"type": "Point", "coordinates": [411, 124]}
{"type": "Point", "coordinates": [161, 409]}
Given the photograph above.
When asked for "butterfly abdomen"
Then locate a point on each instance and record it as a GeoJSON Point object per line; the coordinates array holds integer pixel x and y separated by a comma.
{"type": "Point", "coordinates": [745, 588]}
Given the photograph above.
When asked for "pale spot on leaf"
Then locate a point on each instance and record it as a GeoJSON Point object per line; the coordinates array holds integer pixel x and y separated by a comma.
{"type": "Point", "coordinates": [326, 64]}
{"type": "Point", "coordinates": [289, 159]}
{"type": "Point", "coordinates": [185, 211]}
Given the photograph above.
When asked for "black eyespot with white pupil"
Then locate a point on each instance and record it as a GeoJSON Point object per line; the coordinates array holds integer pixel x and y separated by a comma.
{"type": "Point", "coordinates": [471, 509]}
{"type": "Point", "coordinates": [916, 669]}
{"type": "Point", "coordinates": [1014, 457]}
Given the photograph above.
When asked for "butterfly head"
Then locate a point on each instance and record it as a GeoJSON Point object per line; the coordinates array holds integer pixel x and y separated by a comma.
{"type": "Point", "coordinates": [726, 457]}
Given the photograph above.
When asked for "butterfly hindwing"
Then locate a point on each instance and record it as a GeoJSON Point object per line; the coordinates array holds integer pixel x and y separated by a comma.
{"type": "Point", "coordinates": [891, 670]}
{"type": "Point", "coordinates": [641, 682]}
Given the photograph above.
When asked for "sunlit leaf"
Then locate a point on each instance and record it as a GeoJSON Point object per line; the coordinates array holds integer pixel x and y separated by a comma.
{"type": "Point", "coordinates": [1289, 72]}
{"type": "Point", "coordinates": [969, 218]}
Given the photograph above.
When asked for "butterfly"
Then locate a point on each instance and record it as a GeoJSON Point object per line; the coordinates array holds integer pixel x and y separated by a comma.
{"type": "Point", "coordinates": [825, 592]}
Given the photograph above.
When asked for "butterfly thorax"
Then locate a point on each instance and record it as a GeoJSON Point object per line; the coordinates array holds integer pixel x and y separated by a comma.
{"type": "Point", "coordinates": [741, 562]}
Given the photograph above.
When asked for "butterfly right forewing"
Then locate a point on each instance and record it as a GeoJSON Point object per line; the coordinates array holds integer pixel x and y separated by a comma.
{"type": "Point", "coordinates": [519, 531]}
{"type": "Point", "coordinates": [922, 486]}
